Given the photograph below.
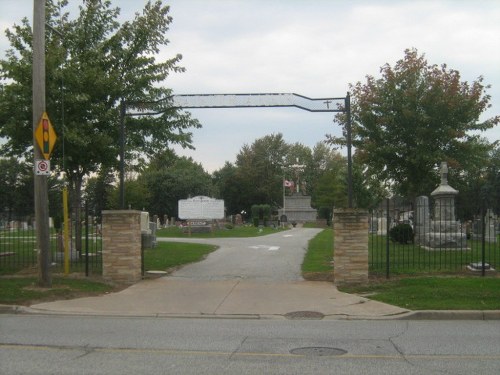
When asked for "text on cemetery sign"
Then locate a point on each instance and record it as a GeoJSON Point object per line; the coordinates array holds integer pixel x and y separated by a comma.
{"type": "Point", "coordinates": [201, 207]}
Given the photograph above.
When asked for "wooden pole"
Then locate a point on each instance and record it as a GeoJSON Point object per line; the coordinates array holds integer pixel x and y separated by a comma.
{"type": "Point", "coordinates": [41, 194]}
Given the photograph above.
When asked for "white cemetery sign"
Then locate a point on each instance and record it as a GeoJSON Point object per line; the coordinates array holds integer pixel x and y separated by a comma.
{"type": "Point", "coordinates": [201, 207]}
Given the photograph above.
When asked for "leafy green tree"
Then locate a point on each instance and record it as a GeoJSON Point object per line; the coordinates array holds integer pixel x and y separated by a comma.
{"type": "Point", "coordinates": [98, 192]}
{"type": "Point", "coordinates": [95, 65]}
{"type": "Point", "coordinates": [11, 181]}
{"type": "Point", "coordinates": [412, 118]}
{"type": "Point", "coordinates": [480, 188]}
{"type": "Point", "coordinates": [260, 171]}
{"type": "Point", "coordinates": [16, 192]}
{"type": "Point", "coordinates": [228, 184]}
{"type": "Point", "coordinates": [256, 177]}
{"type": "Point", "coordinates": [169, 178]}
{"type": "Point", "coordinates": [327, 176]}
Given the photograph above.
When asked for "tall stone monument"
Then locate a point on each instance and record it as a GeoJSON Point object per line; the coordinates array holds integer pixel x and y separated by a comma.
{"type": "Point", "coordinates": [297, 206]}
{"type": "Point", "coordinates": [445, 230]}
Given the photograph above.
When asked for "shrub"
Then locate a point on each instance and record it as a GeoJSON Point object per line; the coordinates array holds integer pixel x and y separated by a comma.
{"type": "Point", "coordinates": [402, 233]}
{"type": "Point", "coordinates": [325, 213]}
{"type": "Point", "coordinates": [260, 212]}
{"type": "Point", "coordinates": [255, 221]}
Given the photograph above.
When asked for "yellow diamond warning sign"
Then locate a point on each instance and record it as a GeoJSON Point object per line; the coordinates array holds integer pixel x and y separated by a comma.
{"type": "Point", "coordinates": [45, 136]}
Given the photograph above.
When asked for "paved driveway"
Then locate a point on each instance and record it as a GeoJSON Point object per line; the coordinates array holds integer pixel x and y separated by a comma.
{"type": "Point", "coordinates": [275, 257]}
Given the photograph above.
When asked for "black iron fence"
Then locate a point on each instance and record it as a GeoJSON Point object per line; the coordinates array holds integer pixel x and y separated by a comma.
{"type": "Point", "coordinates": [426, 237]}
{"type": "Point", "coordinates": [18, 249]}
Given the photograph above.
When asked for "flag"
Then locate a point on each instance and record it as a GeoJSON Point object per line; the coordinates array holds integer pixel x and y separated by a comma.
{"type": "Point", "coordinates": [287, 183]}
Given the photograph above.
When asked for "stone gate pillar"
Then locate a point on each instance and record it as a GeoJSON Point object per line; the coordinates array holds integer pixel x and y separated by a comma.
{"type": "Point", "coordinates": [350, 230]}
{"type": "Point", "coordinates": [121, 246]}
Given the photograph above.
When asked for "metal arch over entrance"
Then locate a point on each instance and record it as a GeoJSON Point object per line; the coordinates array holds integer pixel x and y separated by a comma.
{"type": "Point", "coordinates": [268, 100]}
{"type": "Point", "coordinates": [262, 100]}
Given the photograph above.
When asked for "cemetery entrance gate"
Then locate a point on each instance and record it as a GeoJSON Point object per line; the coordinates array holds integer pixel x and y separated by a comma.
{"type": "Point", "coordinates": [262, 100]}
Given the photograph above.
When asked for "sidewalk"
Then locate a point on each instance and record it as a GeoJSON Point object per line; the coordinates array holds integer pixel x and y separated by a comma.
{"type": "Point", "coordinates": [242, 299]}
{"type": "Point", "coordinates": [180, 297]}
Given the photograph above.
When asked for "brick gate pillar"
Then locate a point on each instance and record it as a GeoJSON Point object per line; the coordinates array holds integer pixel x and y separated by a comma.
{"type": "Point", "coordinates": [350, 230]}
{"type": "Point", "coordinates": [121, 246]}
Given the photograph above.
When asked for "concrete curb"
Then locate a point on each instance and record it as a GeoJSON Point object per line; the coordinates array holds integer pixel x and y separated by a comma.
{"type": "Point", "coordinates": [452, 315]}
{"type": "Point", "coordinates": [12, 309]}
{"type": "Point", "coordinates": [410, 315]}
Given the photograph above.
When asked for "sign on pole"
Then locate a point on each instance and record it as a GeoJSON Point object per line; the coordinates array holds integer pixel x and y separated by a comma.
{"type": "Point", "coordinates": [42, 167]}
{"type": "Point", "coordinates": [45, 136]}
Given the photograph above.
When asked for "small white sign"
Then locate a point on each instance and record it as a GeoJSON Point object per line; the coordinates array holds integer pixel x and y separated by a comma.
{"type": "Point", "coordinates": [42, 167]}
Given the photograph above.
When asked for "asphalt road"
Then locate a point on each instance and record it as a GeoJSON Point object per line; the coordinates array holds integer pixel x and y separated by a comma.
{"type": "Point", "coordinates": [37, 344]}
{"type": "Point", "coordinates": [275, 257]}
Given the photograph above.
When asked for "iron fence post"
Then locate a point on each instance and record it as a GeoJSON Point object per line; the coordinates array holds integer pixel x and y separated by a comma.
{"type": "Point", "coordinates": [387, 261]}
{"type": "Point", "coordinates": [86, 238]}
{"type": "Point", "coordinates": [483, 239]}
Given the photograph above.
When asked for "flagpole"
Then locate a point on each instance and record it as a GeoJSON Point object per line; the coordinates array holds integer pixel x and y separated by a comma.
{"type": "Point", "coordinates": [284, 209]}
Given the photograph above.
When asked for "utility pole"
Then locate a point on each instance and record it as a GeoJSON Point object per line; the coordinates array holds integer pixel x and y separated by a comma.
{"type": "Point", "coordinates": [41, 194]}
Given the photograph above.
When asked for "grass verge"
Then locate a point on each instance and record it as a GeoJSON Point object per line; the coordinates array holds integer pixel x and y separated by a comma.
{"type": "Point", "coordinates": [24, 290]}
{"type": "Point", "coordinates": [435, 293]}
{"type": "Point", "coordinates": [318, 261]}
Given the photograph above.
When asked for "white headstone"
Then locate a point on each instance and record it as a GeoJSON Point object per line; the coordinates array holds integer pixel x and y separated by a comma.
{"type": "Point", "coordinates": [145, 222]}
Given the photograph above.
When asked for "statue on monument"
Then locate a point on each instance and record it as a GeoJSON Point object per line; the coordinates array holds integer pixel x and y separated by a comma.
{"type": "Point", "coordinates": [297, 205]}
{"type": "Point", "coordinates": [298, 168]}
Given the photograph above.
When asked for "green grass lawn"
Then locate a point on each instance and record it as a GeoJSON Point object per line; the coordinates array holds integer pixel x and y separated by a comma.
{"type": "Point", "coordinates": [240, 231]}
{"type": "Point", "coordinates": [167, 255]}
{"type": "Point", "coordinates": [415, 293]}
{"type": "Point", "coordinates": [435, 293]}
{"type": "Point", "coordinates": [412, 259]}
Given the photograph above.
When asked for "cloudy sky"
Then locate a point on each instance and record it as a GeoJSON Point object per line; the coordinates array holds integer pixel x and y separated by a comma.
{"type": "Point", "coordinates": [314, 48]}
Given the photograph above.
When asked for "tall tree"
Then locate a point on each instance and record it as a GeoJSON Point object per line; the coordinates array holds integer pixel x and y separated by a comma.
{"type": "Point", "coordinates": [11, 183]}
{"type": "Point", "coordinates": [169, 178]}
{"type": "Point", "coordinates": [328, 184]}
{"type": "Point", "coordinates": [228, 185]}
{"type": "Point", "coordinates": [93, 64]}
{"type": "Point", "coordinates": [98, 190]}
{"type": "Point", "coordinates": [260, 170]}
{"type": "Point", "coordinates": [413, 117]}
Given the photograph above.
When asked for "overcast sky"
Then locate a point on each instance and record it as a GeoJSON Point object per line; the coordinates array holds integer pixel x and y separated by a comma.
{"type": "Point", "coordinates": [314, 48]}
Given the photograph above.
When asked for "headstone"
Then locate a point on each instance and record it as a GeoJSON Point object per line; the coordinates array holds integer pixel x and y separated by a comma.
{"type": "Point", "coordinates": [422, 219]}
{"type": "Point", "coordinates": [238, 219]}
{"type": "Point", "coordinates": [146, 238]}
{"type": "Point", "coordinates": [382, 226]}
{"type": "Point", "coordinates": [490, 220]}
{"type": "Point", "coordinates": [152, 229]}
{"type": "Point", "coordinates": [373, 228]}
{"type": "Point", "coordinates": [145, 222]}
